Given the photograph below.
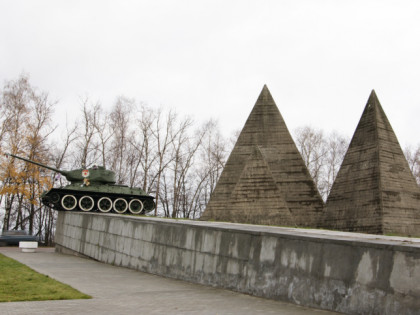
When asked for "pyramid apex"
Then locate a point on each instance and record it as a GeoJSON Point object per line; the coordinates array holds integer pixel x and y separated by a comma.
{"type": "Point", "coordinates": [265, 89]}
{"type": "Point", "coordinates": [373, 98]}
{"type": "Point", "coordinates": [265, 95]}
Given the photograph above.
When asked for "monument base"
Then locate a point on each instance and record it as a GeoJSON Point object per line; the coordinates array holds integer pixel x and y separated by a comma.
{"type": "Point", "coordinates": [344, 272]}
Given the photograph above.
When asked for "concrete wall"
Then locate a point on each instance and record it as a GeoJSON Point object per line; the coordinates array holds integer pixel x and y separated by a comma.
{"type": "Point", "coordinates": [346, 272]}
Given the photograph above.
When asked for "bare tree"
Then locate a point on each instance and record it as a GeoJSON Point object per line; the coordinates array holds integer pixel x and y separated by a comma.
{"type": "Point", "coordinates": [120, 118]}
{"type": "Point", "coordinates": [322, 154]}
{"type": "Point", "coordinates": [336, 150]}
{"type": "Point", "coordinates": [213, 154]}
{"type": "Point", "coordinates": [412, 154]}
{"type": "Point", "coordinates": [144, 145]}
{"type": "Point", "coordinates": [37, 147]}
{"type": "Point", "coordinates": [184, 150]}
{"type": "Point", "coordinates": [164, 135]}
{"type": "Point", "coordinates": [104, 133]}
{"type": "Point", "coordinates": [64, 146]}
{"type": "Point", "coordinates": [28, 113]}
{"type": "Point", "coordinates": [312, 145]}
{"type": "Point", "coordinates": [86, 146]}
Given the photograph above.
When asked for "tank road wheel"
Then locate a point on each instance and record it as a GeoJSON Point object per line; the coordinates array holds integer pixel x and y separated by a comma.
{"type": "Point", "coordinates": [149, 205]}
{"type": "Point", "coordinates": [54, 198]}
{"type": "Point", "coordinates": [104, 204]}
{"type": "Point", "coordinates": [120, 205]}
{"type": "Point", "coordinates": [86, 203]}
{"type": "Point", "coordinates": [135, 206]}
{"type": "Point", "coordinates": [69, 202]}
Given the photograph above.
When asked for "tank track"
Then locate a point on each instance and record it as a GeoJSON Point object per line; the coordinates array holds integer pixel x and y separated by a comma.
{"type": "Point", "coordinates": [71, 200]}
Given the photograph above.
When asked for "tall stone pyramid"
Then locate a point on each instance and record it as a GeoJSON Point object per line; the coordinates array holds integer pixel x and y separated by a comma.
{"type": "Point", "coordinates": [265, 180]}
{"type": "Point", "coordinates": [375, 191]}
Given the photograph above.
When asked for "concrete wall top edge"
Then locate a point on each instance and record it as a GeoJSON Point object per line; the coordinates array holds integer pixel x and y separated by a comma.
{"type": "Point", "coordinates": [405, 244]}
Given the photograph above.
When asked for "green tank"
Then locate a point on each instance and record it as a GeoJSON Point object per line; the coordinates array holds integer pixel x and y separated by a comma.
{"type": "Point", "coordinates": [94, 189]}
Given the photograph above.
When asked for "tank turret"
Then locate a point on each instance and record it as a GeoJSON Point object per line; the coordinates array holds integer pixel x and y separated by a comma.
{"type": "Point", "coordinates": [94, 189]}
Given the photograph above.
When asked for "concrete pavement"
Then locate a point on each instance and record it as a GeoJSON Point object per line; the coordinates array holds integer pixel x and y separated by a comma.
{"type": "Point", "coordinates": [117, 290]}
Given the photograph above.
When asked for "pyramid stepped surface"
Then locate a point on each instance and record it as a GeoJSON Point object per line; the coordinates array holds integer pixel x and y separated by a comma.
{"type": "Point", "coordinates": [262, 205]}
{"type": "Point", "coordinates": [375, 191]}
{"type": "Point", "coordinates": [265, 174]}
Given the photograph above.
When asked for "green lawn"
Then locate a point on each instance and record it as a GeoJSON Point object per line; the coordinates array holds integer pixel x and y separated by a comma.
{"type": "Point", "coordinates": [20, 283]}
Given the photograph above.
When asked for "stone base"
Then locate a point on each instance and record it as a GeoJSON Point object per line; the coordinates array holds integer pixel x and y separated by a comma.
{"type": "Point", "coordinates": [28, 247]}
{"type": "Point", "coordinates": [345, 272]}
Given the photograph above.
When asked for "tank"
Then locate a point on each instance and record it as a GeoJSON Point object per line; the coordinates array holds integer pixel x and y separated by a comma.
{"type": "Point", "coordinates": [94, 189]}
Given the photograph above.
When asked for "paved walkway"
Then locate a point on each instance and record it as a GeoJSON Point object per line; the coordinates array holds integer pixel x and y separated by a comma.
{"type": "Point", "coordinates": [117, 290]}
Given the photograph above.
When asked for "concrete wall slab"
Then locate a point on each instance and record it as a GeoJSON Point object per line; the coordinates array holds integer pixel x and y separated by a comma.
{"type": "Point", "coordinates": [345, 272]}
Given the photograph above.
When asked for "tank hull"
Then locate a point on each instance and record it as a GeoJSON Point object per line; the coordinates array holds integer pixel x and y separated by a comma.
{"type": "Point", "coordinates": [94, 189]}
{"type": "Point", "coordinates": [99, 199]}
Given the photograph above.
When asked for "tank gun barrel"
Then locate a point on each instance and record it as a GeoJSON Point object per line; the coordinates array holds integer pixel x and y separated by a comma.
{"type": "Point", "coordinates": [39, 164]}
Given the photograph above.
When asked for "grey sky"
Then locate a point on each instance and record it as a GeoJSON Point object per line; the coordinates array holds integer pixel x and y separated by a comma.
{"type": "Point", "coordinates": [320, 59]}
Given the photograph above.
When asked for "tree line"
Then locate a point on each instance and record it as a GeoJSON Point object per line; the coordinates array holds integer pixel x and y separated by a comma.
{"type": "Point", "coordinates": [167, 155]}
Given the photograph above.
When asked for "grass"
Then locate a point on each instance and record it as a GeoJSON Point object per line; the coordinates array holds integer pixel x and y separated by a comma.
{"type": "Point", "coordinates": [20, 283]}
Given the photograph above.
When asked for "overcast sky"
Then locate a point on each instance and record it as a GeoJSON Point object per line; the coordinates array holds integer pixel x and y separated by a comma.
{"type": "Point", "coordinates": [210, 59]}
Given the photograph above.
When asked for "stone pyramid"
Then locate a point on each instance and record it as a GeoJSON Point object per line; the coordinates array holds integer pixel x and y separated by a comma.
{"type": "Point", "coordinates": [265, 180]}
{"type": "Point", "coordinates": [375, 191]}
